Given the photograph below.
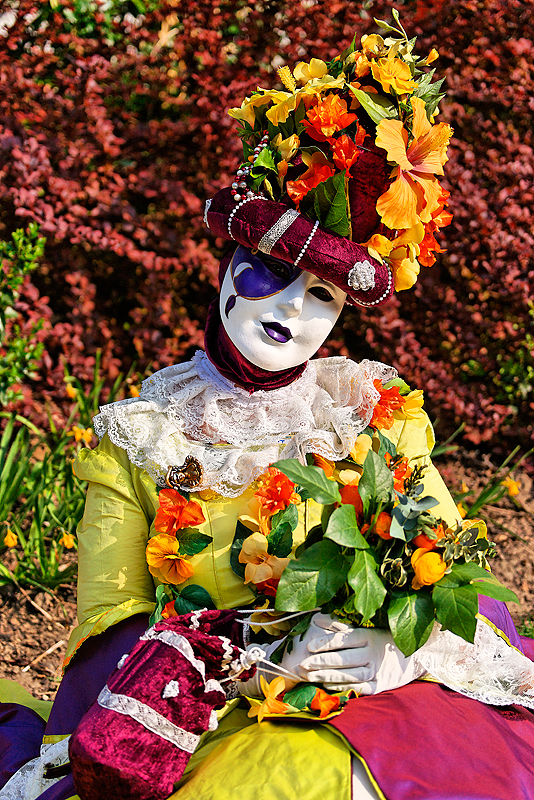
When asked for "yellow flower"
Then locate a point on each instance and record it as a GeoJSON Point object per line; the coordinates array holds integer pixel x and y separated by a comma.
{"type": "Point", "coordinates": [165, 562]}
{"type": "Point", "coordinates": [134, 391]}
{"type": "Point", "coordinates": [393, 73]}
{"type": "Point", "coordinates": [413, 406]}
{"type": "Point", "coordinates": [511, 486]}
{"type": "Point", "coordinates": [286, 147]}
{"type": "Point", "coordinates": [379, 245]}
{"type": "Point", "coordinates": [362, 445]}
{"type": "Point", "coordinates": [403, 257]}
{"type": "Point", "coordinates": [306, 72]}
{"type": "Point", "coordinates": [67, 540]}
{"type": "Point", "coordinates": [260, 565]}
{"type": "Point", "coordinates": [81, 434]}
{"type": "Point", "coordinates": [430, 57]}
{"type": "Point", "coordinates": [373, 46]}
{"type": "Point", "coordinates": [429, 567]}
{"type": "Point", "coordinates": [415, 192]}
{"type": "Point", "coordinates": [462, 510]}
{"type": "Point", "coordinates": [245, 112]}
{"type": "Point", "coordinates": [71, 391]}
{"type": "Point", "coordinates": [465, 487]}
{"type": "Point", "coordinates": [271, 705]}
{"type": "Point", "coordinates": [10, 539]}
{"type": "Point", "coordinates": [266, 619]}
{"type": "Point", "coordinates": [284, 73]}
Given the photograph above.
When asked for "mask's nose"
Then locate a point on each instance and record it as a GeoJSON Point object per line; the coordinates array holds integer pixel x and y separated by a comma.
{"type": "Point", "coordinates": [291, 305]}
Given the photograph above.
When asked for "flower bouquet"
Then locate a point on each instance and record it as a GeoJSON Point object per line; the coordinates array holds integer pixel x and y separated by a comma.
{"type": "Point", "coordinates": [378, 558]}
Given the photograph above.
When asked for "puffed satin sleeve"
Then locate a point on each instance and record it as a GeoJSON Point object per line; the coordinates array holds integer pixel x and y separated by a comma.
{"type": "Point", "coordinates": [113, 579]}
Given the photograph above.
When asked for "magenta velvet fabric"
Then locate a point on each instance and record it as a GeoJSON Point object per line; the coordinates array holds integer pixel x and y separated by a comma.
{"type": "Point", "coordinates": [118, 755]}
{"type": "Point", "coordinates": [329, 256]}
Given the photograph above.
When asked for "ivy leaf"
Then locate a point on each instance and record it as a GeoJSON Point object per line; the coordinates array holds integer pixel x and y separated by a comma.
{"type": "Point", "coordinates": [343, 528]}
{"type": "Point", "coordinates": [456, 609]}
{"type": "Point", "coordinates": [484, 582]}
{"type": "Point", "coordinates": [411, 619]}
{"type": "Point", "coordinates": [369, 591]}
{"type": "Point", "coordinates": [312, 479]}
{"type": "Point", "coordinates": [280, 540]}
{"type": "Point", "coordinates": [241, 533]}
{"type": "Point", "coordinates": [377, 107]}
{"type": "Point", "coordinates": [191, 541]}
{"type": "Point", "coordinates": [377, 480]}
{"type": "Point", "coordinates": [289, 515]}
{"type": "Point", "coordinates": [301, 695]}
{"type": "Point", "coordinates": [313, 579]}
{"type": "Point", "coordinates": [386, 446]}
{"type": "Point", "coordinates": [162, 598]}
{"type": "Point", "coordinates": [191, 598]}
{"type": "Point", "coordinates": [328, 203]}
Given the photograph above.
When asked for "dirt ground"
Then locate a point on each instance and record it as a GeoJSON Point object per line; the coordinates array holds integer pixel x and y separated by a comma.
{"type": "Point", "coordinates": [35, 626]}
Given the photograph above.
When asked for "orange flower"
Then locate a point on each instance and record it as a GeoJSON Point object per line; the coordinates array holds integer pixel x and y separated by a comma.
{"type": "Point", "coordinates": [345, 151]}
{"type": "Point", "coordinates": [169, 610]}
{"type": "Point", "coordinates": [440, 218]}
{"type": "Point", "coordinates": [390, 401]}
{"type": "Point", "coordinates": [423, 541]}
{"type": "Point", "coordinates": [383, 524]}
{"type": "Point", "coordinates": [271, 704]}
{"type": "Point", "coordinates": [326, 465]}
{"type": "Point", "coordinates": [175, 512]}
{"type": "Point", "coordinates": [415, 193]}
{"type": "Point", "coordinates": [71, 391]}
{"type": "Point", "coordinates": [275, 491]}
{"type": "Point", "coordinates": [393, 73]}
{"type": "Point", "coordinates": [429, 567]}
{"type": "Point", "coordinates": [327, 116]}
{"type": "Point", "coordinates": [311, 178]}
{"type": "Point", "coordinates": [67, 540]}
{"type": "Point", "coordinates": [260, 565]}
{"type": "Point", "coordinates": [10, 539]}
{"type": "Point", "coordinates": [165, 562]}
{"type": "Point", "coordinates": [351, 495]}
{"type": "Point", "coordinates": [324, 702]}
{"type": "Point", "coordinates": [400, 472]}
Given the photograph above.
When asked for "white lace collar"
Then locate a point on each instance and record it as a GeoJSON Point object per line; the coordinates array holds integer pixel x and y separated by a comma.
{"type": "Point", "coordinates": [192, 410]}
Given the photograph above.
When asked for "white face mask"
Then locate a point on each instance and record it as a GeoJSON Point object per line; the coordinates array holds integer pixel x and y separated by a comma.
{"type": "Point", "coordinates": [275, 314]}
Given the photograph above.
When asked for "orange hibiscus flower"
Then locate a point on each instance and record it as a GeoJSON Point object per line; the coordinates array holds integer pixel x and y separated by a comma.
{"type": "Point", "coordinates": [315, 175]}
{"type": "Point", "coordinates": [165, 562]}
{"type": "Point", "coordinates": [327, 116]}
{"type": "Point", "coordinates": [440, 218]}
{"type": "Point", "coordinates": [175, 512]}
{"type": "Point", "coordinates": [390, 401]}
{"type": "Point", "coordinates": [324, 702]}
{"type": "Point", "coordinates": [275, 491]}
{"type": "Point", "coordinates": [415, 192]}
{"type": "Point", "coordinates": [345, 151]}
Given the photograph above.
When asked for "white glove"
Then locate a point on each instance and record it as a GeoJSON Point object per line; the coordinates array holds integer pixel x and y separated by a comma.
{"type": "Point", "coordinates": [342, 657]}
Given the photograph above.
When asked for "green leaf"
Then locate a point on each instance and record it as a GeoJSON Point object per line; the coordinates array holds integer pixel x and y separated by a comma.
{"type": "Point", "coordinates": [385, 25]}
{"type": "Point", "coordinates": [327, 202]}
{"type": "Point", "coordinates": [377, 480]}
{"type": "Point", "coordinates": [386, 446]}
{"type": "Point", "coordinates": [191, 598]}
{"type": "Point", "coordinates": [456, 609]}
{"type": "Point", "coordinates": [289, 515]}
{"type": "Point", "coordinates": [313, 479]}
{"type": "Point", "coordinates": [265, 159]}
{"type": "Point", "coordinates": [280, 540]}
{"type": "Point", "coordinates": [313, 579]}
{"type": "Point", "coordinates": [191, 541]}
{"type": "Point", "coordinates": [241, 533]}
{"type": "Point", "coordinates": [301, 695]}
{"type": "Point", "coordinates": [369, 591]}
{"type": "Point", "coordinates": [484, 582]}
{"type": "Point", "coordinates": [402, 386]}
{"type": "Point", "coordinates": [343, 528]}
{"type": "Point", "coordinates": [411, 618]}
{"type": "Point", "coordinates": [377, 107]}
{"type": "Point", "coordinates": [162, 598]}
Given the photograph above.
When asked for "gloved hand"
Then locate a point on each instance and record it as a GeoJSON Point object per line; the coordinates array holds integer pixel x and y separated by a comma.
{"type": "Point", "coordinates": [341, 658]}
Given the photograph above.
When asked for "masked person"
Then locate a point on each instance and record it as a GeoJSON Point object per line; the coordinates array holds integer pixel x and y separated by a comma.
{"type": "Point", "coordinates": [337, 201]}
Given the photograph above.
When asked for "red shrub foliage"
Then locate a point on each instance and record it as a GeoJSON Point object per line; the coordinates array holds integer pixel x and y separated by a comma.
{"type": "Point", "coordinates": [114, 132]}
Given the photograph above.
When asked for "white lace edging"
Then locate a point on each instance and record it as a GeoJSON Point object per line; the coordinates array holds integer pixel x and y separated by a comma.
{"type": "Point", "coordinates": [29, 782]}
{"type": "Point", "coordinates": [192, 410]}
{"type": "Point", "coordinates": [489, 670]}
{"type": "Point", "coordinates": [149, 718]}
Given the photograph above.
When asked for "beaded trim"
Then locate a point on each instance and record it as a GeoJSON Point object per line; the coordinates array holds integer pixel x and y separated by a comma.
{"type": "Point", "coordinates": [307, 243]}
{"type": "Point", "coordinates": [362, 276]}
{"type": "Point", "coordinates": [234, 211]}
{"type": "Point", "coordinates": [382, 296]}
{"type": "Point", "coordinates": [269, 239]}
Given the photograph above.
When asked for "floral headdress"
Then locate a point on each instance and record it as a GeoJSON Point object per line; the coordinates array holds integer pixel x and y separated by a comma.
{"type": "Point", "coordinates": [351, 145]}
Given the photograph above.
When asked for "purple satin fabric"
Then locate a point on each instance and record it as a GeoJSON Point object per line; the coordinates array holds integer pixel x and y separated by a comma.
{"type": "Point", "coordinates": [235, 367]}
{"type": "Point", "coordinates": [21, 734]}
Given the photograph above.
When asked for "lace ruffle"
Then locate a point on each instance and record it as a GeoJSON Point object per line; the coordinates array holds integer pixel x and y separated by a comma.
{"type": "Point", "coordinates": [30, 782]}
{"type": "Point", "coordinates": [489, 670]}
{"type": "Point", "coordinates": [191, 410]}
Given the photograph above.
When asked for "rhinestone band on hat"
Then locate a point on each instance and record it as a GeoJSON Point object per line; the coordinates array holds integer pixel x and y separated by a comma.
{"type": "Point", "coordinates": [234, 211]}
{"type": "Point", "coordinates": [382, 296]}
{"type": "Point", "coordinates": [269, 239]}
{"type": "Point", "coordinates": [306, 243]}
{"type": "Point", "coordinates": [362, 276]}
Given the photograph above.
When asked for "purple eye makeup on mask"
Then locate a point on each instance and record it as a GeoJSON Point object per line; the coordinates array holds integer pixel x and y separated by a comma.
{"type": "Point", "coordinates": [261, 277]}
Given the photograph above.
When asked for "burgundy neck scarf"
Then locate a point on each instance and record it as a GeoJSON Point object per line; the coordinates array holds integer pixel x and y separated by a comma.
{"type": "Point", "coordinates": [234, 366]}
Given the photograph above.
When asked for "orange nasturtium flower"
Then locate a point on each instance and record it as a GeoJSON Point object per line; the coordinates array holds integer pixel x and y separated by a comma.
{"type": "Point", "coordinates": [415, 193]}
{"type": "Point", "coordinates": [271, 704]}
{"type": "Point", "coordinates": [165, 562]}
{"type": "Point", "coordinates": [351, 495]}
{"type": "Point", "coordinates": [382, 525]}
{"type": "Point", "coordinates": [260, 565]}
{"type": "Point", "coordinates": [325, 464]}
{"type": "Point", "coordinates": [422, 540]}
{"type": "Point", "coordinates": [393, 73]}
{"type": "Point", "coordinates": [326, 117]}
{"type": "Point", "coordinates": [390, 401]}
{"type": "Point", "coordinates": [401, 471]}
{"type": "Point", "coordinates": [275, 491]}
{"type": "Point", "coordinates": [429, 567]}
{"type": "Point", "coordinates": [175, 512]}
{"type": "Point", "coordinates": [324, 702]}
